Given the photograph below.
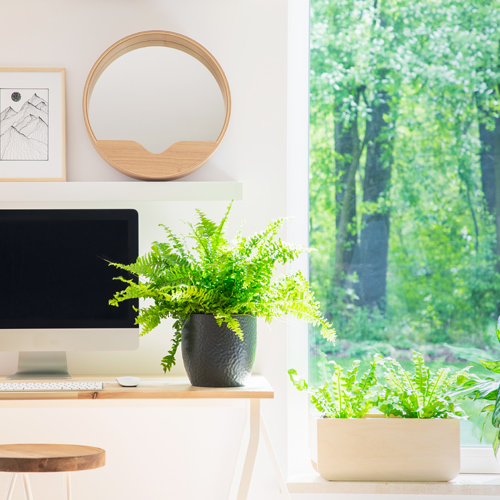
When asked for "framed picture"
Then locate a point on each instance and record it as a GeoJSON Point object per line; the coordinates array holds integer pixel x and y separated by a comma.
{"type": "Point", "coordinates": [32, 124]}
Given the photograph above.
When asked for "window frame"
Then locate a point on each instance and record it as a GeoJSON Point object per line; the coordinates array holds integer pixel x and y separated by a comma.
{"type": "Point", "coordinates": [473, 459]}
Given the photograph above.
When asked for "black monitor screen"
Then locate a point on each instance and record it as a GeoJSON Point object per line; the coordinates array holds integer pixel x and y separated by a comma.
{"type": "Point", "coordinates": [54, 271]}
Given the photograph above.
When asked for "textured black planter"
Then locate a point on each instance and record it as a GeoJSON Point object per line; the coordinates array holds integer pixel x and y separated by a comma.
{"type": "Point", "coordinates": [213, 355]}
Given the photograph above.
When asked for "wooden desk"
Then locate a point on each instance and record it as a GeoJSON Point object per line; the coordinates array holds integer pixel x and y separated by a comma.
{"type": "Point", "coordinates": [169, 387]}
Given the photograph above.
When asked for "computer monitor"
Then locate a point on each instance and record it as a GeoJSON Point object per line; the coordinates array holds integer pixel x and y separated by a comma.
{"type": "Point", "coordinates": [55, 285]}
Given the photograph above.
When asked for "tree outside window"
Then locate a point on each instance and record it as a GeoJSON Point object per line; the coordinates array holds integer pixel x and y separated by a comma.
{"type": "Point", "coordinates": [405, 179]}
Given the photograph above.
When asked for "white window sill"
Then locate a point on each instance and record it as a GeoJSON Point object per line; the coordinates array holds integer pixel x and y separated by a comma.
{"type": "Point", "coordinates": [464, 484]}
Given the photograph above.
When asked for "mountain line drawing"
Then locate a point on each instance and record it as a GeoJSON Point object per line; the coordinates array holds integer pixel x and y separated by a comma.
{"type": "Point", "coordinates": [24, 134]}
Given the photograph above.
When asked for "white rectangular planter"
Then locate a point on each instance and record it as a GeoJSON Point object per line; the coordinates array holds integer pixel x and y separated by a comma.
{"type": "Point", "coordinates": [387, 449]}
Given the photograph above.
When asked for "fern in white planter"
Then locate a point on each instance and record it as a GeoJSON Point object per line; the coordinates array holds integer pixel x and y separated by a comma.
{"type": "Point", "coordinates": [423, 445]}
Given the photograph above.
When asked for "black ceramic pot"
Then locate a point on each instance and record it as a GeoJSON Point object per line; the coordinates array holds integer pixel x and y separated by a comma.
{"type": "Point", "coordinates": [214, 356]}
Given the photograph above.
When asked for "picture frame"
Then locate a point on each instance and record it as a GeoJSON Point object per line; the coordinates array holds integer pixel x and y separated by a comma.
{"type": "Point", "coordinates": [32, 124]}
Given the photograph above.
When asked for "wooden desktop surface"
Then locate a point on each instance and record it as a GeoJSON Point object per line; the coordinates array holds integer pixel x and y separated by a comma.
{"type": "Point", "coordinates": [150, 387]}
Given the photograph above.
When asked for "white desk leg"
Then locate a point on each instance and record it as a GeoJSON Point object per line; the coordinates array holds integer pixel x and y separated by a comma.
{"type": "Point", "coordinates": [253, 444]}
{"type": "Point", "coordinates": [257, 425]}
{"type": "Point", "coordinates": [10, 488]}
{"type": "Point", "coordinates": [68, 486]}
{"type": "Point", "coordinates": [27, 487]}
{"type": "Point", "coordinates": [274, 459]}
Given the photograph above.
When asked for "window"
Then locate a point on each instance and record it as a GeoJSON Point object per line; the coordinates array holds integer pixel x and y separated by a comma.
{"type": "Point", "coordinates": [404, 161]}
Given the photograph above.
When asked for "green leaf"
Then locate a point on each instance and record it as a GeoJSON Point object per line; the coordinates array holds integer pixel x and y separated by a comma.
{"type": "Point", "coordinates": [476, 389]}
{"type": "Point", "coordinates": [496, 442]}
{"type": "Point", "coordinates": [493, 366]}
{"type": "Point", "coordinates": [495, 417]}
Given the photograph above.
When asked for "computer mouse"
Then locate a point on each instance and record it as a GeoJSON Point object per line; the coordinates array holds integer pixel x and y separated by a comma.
{"type": "Point", "coordinates": [128, 381]}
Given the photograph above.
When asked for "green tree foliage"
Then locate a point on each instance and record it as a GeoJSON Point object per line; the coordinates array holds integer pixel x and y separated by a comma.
{"type": "Point", "coordinates": [405, 162]}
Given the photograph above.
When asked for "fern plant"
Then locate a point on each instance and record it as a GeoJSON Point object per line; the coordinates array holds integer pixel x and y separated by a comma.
{"type": "Point", "coordinates": [219, 277]}
{"type": "Point", "coordinates": [422, 394]}
{"type": "Point", "coordinates": [386, 386]}
{"type": "Point", "coordinates": [344, 396]}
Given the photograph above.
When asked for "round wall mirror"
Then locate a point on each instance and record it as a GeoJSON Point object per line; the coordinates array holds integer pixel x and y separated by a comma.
{"type": "Point", "coordinates": [156, 105]}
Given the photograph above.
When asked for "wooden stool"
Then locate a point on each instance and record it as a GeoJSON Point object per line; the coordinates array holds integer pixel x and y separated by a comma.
{"type": "Point", "coordinates": [25, 458]}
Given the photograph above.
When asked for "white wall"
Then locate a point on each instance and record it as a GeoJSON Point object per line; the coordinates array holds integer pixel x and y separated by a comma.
{"type": "Point", "coordinates": [166, 451]}
{"type": "Point", "coordinates": [170, 451]}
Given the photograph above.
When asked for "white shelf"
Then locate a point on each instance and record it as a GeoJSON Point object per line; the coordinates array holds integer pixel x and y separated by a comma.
{"type": "Point", "coordinates": [120, 191]}
{"type": "Point", "coordinates": [464, 484]}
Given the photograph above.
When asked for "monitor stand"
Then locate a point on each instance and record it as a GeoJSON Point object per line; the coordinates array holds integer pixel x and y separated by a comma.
{"type": "Point", "coordinates": [41, 365]}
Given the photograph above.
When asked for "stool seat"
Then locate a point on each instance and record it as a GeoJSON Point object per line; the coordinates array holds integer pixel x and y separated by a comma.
{"type": "Point", "coordinates": [50, 458]}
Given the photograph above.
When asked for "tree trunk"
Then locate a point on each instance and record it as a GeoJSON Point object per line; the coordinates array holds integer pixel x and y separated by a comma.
{"type": "Point", "coordinates": [374, 237]}
{"type": "Point", "coordinates": [496, 163]}
{"type": "Point", "coordinates": [490, 174]}
{"type": "Point", "coordinates": [343, 243]}
{"type": "Point", "coordinates": [346, 190]}
{"type": "Point", "coordinates": [488, 139]}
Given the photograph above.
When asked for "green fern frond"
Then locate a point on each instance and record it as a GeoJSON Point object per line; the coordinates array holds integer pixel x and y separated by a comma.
{"type": "Point", "coordinates": [149, 318]}
{"type": "Point", "coordinates": [178, 243]}
{"type": "Point", "coordinates": [343, 396]}
{"type": "Point", "coordinates": [133, 291]}
{"type": "Point", "coordinates": [369, 378]}
{"type": "Point", "coordinates": [350, 376]}
{"type": "Point", "coordinates": [218, 239]}
{"type": "Point", "coordinates": [437, 382]}
{"type": "Point", "coordinates": [257, 243]}
{"type": "Point", "coordinates": [392, 377]}
{"type": "Point", "coordinates": [307, 312]}
{"type": "Point", "coordinates": [422, 375]}
{"type": "Point", "coordinates": [299, 383]}
{"type": "Point", "coordinates": [168, 361]}
{"type": "Point", "coordinates": [338, 387]}
{"type": "Point", "coordinates": [424, 394]}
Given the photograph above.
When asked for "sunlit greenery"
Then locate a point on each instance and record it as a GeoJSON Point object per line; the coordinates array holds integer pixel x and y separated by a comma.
{"type": "Point", "coordinates": [387, 387]}
{"type": "Point", "coordinates": [404, 174]}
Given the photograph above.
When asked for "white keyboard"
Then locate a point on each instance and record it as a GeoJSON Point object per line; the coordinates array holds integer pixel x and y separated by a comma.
{"type": "Point", "coordinates": [51, 386]}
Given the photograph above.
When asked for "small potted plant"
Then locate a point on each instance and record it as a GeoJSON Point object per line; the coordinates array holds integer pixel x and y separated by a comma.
{"type": "Point", "coordinates": [214, 290]}
{"type": "Point", "coordinates": [353, 443]}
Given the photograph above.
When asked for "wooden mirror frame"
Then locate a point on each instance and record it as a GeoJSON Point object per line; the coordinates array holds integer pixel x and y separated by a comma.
{"type": "Point", "coordinates": [181, 158]}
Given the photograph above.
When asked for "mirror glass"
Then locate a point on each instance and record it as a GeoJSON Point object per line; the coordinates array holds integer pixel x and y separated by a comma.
{"type": "Point", "coordinates": [156, 96]}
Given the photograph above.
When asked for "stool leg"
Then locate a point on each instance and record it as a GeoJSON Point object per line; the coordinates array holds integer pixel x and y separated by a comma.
{"type": "Point", "coordinates": [68, 486]}
{"type": "Point", "coordinates": [27, 487]}
{"type": "Point", "coordinates": [10, 489]}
